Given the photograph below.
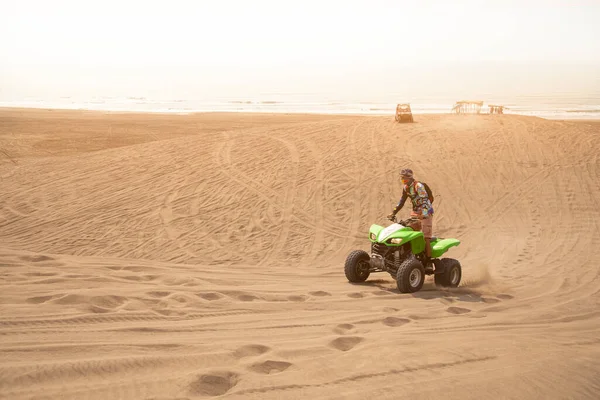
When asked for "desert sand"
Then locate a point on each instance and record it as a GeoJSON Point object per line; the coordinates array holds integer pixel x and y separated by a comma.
{"type": "Point", "coordinates": [195, 256]}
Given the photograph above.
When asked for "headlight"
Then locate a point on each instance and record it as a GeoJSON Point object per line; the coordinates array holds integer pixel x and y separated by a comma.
{"type": "Point", "coordinates": [396, 241]}
{"type": "Point", "coordinates": [373, 236]}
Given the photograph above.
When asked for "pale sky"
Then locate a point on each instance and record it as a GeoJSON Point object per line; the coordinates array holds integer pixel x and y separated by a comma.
{"type": "Point", "coordinates": [91, 44]}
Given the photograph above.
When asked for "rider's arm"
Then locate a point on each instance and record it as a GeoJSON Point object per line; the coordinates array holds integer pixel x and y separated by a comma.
{"type": "Point", "coordinates": [401, 202]}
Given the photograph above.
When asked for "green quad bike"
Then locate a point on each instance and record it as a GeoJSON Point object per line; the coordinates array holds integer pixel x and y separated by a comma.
{"type": "Point", "coordinates": [400, 251]}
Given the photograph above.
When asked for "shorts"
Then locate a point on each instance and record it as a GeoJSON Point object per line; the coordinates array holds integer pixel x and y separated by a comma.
{"type": "Point", "coordinates": [426, 225]}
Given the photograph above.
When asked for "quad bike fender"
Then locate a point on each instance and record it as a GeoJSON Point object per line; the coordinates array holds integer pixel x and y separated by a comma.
{"type": "Point", "coordinates": [439, 247]}
{"type": "Point", "coordinates": [417, 241]}
{"type": "Point", "coordinates": [374, 232]}
{"type": "Point", "coordinates": [415, 238]}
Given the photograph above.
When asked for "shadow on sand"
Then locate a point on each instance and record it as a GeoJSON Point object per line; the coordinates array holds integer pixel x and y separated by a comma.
{"type": "Point", "coordinates": [429, 291]}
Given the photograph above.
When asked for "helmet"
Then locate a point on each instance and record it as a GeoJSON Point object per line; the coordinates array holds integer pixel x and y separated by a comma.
{"type": "Point", "coordinates": [406, 173]}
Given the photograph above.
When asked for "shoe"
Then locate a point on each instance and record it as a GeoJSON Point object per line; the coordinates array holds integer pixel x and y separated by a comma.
{"type": "Point", "coordinates": [428, 265]}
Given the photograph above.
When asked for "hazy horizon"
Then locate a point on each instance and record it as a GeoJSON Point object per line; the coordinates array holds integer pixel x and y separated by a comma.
{"type": "Point", "coordinates": [239, 49]}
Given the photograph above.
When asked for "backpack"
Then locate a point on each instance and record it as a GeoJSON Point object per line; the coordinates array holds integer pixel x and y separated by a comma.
{"type": "Point", "coordinates": [428, 189]}
{"type": "Point", "coordinates": [429, 192]}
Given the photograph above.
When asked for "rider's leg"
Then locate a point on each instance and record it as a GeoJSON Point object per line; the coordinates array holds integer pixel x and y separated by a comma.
{"type": "Point", "coordinates": [428, 247]}
{"type": "Point", "coordinates": [428, 262]}
{"type": "Point", "coordinates": [427, 233]}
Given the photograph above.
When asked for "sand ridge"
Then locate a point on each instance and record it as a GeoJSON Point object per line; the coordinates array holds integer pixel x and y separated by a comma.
{"type": "Point", "coordinates": [196, 256]}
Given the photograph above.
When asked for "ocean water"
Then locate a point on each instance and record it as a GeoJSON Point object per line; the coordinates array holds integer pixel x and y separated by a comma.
{"type": "Point", "coordinates": [557, 106]}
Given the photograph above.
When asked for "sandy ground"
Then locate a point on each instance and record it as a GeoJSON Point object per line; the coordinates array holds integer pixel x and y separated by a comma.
{"type": "Point", "coordinates": [183, 257]}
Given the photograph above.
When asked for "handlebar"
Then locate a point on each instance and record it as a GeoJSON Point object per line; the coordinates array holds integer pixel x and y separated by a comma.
{"type": "Point", "coordinates": [404, 222]}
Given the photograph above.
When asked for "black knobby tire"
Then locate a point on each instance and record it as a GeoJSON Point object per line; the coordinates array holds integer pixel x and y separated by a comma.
{"type": "Point", "coordinates": [357, 267]}
{"type": "Point", "coordinates": [451, 275]}
{"type": "Point", "coordinates": [410, 276]}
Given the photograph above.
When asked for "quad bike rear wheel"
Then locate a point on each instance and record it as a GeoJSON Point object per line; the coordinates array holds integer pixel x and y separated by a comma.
{"type": "Point", "coordinates": [451, 275]}
{"type": "Point", "coordinates": [357, 267]}
{"type": "Point", "coordinates": [410, 276]}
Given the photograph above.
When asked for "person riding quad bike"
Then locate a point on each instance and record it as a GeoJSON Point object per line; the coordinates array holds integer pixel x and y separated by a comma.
{"type": "Point", "coordinates": [406, 249]}
{"type": "Point", "coordinates": [422, 209]}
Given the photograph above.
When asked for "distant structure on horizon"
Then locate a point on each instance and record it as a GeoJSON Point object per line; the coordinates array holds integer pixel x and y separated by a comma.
{"type": "Point", "coordinates": [404, 113]}
{"type": "Point", "coordinates": [496, 109]}
{"type": "Point", "coordinates": [467, 107]}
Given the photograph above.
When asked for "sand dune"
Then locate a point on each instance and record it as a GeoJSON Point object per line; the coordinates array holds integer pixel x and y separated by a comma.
{"type": "Point", "coordinates": [183, 257]}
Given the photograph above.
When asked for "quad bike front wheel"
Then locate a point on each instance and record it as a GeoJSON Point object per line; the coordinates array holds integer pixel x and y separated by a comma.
{"type": "Point", "coordinates": [410, 276]}
{"type": "Point", "coordinates": [357, 267]}
{"type": "Point", "coordinates": [451, 275]}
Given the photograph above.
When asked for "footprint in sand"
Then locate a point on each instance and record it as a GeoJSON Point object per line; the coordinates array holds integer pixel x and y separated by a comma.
{"type": "Point", "coordinates": [270, 367]}
{"type": "Point", "coordinates": [251, 350]}
{"type": "Point", "coordinates": [42, 274]}
{"type": "Point", "coordinates": [98, 310]}
{"type": "Point", "coordinates": [490, 300]}
{"type": "Point", "coordinates": [320, 293]}
{"type": "Point", "coordinates": [36, 258]}
{"type": "Point", "coordinates": [297, 298]}
{"type": "Point", "coordinates": [394, 322]}
{"type": "Point", "coordinates": [209, 296]}
{"type": "Point", "coordinates": [140, 278]}
{"type": "Point", "coordinates": [241, 296]}
{"type": "Point", "coordinates": [214, 384]}
{"type": "Point", "coordinates": [70, 299]}
{"type": "Point", "coordinates": [343, 329]}
{"type": "Point", "coordinates": [104, 304]}
{"type": "Point", "coordinates": [50, 264]}
{"type": "Point", "coordinates": [458, 310]}
{"type": "Point", "coordinates": [180, 298]}
{"type": "Point", "coordinates": [158, 293]}
{"type": "Point", "coordinates": [345, 343]}
{"type": "Point", "coordinates": [49, 281]}
{"type": "Point", "coordinates": [247, 297]}
{"type": "Point", "coordinates": [136, 268]}
{"type": "Point", "coordinates": [505, 296]}
{"type": "Point", "coordinates": [382, 293]}
{"type": "Point", "coordinates": [39, 299]}
{"type": "Point", "coordinates": [77, 276]}
{"type": "Point", "coordinates": [356, 295]}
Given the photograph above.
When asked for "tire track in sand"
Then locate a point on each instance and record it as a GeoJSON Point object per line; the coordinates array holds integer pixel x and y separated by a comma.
{"type": "Point", "coordinates": [285, 204]}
